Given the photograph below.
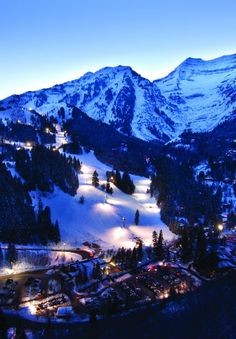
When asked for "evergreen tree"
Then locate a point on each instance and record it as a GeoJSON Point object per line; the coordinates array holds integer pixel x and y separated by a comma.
{"type": "Point", "coordinates": [46, 229]}
{"type": "Point", "coordinates": [186, 245]}
{"type": "Point", "coordinates": [117, 180]}
{"type": "Point", "coordinates": [85, 274]}
{"type": "Point", "coordinates": [122, 257]}
{"type": "Point", "coordinates": [127, 184]}
{"type": "Point", "coordinates": [128, 258]}
{"type": "Point", "coordinates": [160, 248]}
{"type": "Point", "coordinates": [94, 272]}
{"type": "Point", "coordinates": [154, 244]}
{"type": "Point", "coordinates": [81, 200]}
{"type": "Point", "coordinates": [108, 188]}
{"type": "Point", "coordinates": [136, 217]}
{"type": "Point", "coordinates": [1, 256]}
{"type": "Point", "coordinates": [201, 249]}
{"type": "Point", "coordinates": [97, 273]}
{"type": "Point", "coordinates": [134, 257]}
{"type": "Point", "coordinates": [231, 219]}
{"type": "Point", "coordinates": [139, 245]}
{"type": "Point", "coordinates": [95, 179]}
{"type": "Point", "coordinates": [11, 256]}
{"type": "Point", "coordinates": [56, 235]}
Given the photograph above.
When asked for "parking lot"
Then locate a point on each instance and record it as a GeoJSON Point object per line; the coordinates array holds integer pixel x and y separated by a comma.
{"type": "Point", "coordinates": [151, 285]}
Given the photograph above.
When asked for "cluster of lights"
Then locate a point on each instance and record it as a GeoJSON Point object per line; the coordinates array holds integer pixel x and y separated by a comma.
{"type": "Point", "coordinates": [164, 295]}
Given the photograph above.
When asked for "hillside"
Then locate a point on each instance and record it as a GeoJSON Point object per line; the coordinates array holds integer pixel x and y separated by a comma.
{"type": "Point", "coordinates": [101, 219]}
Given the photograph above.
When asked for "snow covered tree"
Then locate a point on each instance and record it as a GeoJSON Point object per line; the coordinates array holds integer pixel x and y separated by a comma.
{"type": "Point", "coordinates": [95, 179]}
{"type": "Point", "coordinates": [136, 217]}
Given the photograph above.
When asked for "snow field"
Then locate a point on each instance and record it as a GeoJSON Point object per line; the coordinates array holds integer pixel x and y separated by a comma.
{"type": "Point", "coordinates": [101, 217]}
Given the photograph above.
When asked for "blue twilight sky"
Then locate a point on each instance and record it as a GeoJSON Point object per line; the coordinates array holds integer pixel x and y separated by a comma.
{"type": "Point", "coordinates": [43, 42]}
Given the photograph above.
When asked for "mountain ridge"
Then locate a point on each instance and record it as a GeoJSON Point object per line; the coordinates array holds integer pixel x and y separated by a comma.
{"type": "Point", "coordinates": [197, 95]}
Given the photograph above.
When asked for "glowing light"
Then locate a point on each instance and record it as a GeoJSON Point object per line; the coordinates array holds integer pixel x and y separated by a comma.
{"type": "Point", "coordinates": [47, 130]}
{"type": "Point", "coordinates": [117, 202]}
{"type": "Point", "coordinates": [28, 144]}
{"type": "Point", "coordinates": [164, 295]}
{"type": "Point", "coordinates": [104, 208]}
{"type": "Point", "coordinates": [8, 271]}
{"type": "Point", "coordinates": [144, 182]}
{"type": "Point", "coordinates": [119, 233]}
{"type": "Point", "coordinates": [87, 169]}
{"type": "Point", "coordinates": [220, 227]}
{"type": "Point", "coordinates": [141, 196]}
{"type": "Point", "coordinates": [85, 188]}
{"type": "Point", "coordinates": [32, 309]}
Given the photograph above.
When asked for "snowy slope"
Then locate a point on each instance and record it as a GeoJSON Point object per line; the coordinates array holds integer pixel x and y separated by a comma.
{"type": "Point", "coordinates": [115, 95]}
{"type": "Point", "coordinates": [197, 95]}
{"type": "Point", "coordinates": [100, 220]}
{"type": "Point", "coordinates": [203, 91]}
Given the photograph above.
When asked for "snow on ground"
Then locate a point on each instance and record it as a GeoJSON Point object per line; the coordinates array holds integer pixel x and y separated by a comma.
{"type": "Point", "coordinates": [35, 259]}
{"type": "Point", "coordinates": [100, 218]}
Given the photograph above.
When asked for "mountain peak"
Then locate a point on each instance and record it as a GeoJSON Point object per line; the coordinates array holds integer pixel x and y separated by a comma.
{"type": "Point", "coordinates": [223, 62]}
{"type": "Point", "coordinates": [197, 95]}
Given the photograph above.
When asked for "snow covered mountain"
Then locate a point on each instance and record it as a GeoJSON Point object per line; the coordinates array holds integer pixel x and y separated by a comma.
{"type": "Point", "coordinates": [197, 95]}
{"type": "Point", "coordinates": [204, 92]}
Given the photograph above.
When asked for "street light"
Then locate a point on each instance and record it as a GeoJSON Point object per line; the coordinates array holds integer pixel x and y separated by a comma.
{"type": "Point", "coordinates": [220, 227]}
{"type": "Point", "coordinates": [123, 221]}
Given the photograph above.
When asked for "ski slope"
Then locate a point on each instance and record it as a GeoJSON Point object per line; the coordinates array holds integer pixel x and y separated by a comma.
{"type": "Point", "coordinates": [101, 219]}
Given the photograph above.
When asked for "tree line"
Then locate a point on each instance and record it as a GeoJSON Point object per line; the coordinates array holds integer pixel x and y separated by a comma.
{"type": "Point", "coordinates": [19, 222]}
{"type": "Point", "coordinates": [43, 168]}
